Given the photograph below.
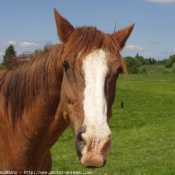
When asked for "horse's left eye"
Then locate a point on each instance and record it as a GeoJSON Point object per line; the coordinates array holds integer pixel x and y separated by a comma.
{"type": "Point", "coordinates": [66, 65]}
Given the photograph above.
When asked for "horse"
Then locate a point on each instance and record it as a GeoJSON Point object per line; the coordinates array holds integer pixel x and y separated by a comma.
{"type": "Point", "coordinates": [72, 83]}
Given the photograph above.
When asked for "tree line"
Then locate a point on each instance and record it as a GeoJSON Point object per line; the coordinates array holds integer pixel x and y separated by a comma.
{"type": "Point", "coordinates": [135, 65]}
{"type": "Point", "coordinates": [10, 54]}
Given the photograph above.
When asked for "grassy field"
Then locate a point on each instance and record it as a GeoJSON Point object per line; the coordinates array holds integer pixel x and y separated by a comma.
{"type": "Point", "coordinates": [155, 69]}
{"type": "Point", "coordinates": [143, 132]}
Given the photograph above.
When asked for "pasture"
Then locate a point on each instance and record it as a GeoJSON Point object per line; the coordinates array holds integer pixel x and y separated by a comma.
{"type": "Point", "coordinates": [155, 69]}
{"type": "Point", "coordinates": [143, 131]}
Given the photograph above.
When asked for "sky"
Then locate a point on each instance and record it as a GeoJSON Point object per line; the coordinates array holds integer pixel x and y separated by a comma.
{"type": "Point", "coordinates": [29, 24]}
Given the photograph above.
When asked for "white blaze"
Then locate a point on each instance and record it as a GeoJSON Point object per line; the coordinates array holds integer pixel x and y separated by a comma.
{"type": "Point", "coordinates": [95, 109]}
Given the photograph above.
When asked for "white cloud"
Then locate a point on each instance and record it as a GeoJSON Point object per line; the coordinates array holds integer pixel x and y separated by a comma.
{"type": "Point", "coordinates": [26, 44]}
{"type": "Point", "coordinates": [18, 53]}
{"type": "Point", "coordinates": [162, 1]}
{"type": "Point", "coordinates": [1, 53]}
{"type": "Point", "coordinates": [174, 52]}
{"type": "Point", "coordinates": [12, 42]}
{"type": "Point", "coordinates": [134, 48]}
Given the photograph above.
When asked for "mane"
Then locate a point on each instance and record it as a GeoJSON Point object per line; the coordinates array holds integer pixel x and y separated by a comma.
{"type": "Point", "coordinates": [87, 39]}
{"type": "Point", "coordinates": [25, 80]}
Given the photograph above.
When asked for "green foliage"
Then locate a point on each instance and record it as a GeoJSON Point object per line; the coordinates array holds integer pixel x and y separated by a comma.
{"type": "Point", "coordinates": [140, 60]}
{"type": "Point", "coordinates": [155, 69]}
{"type": "Point", "coordinates": [2, 67]}
{"type": "Point", "coordinates": [151, 61]}
{"type": "Point", "coordinates": [134, 65]}
{"type": "Point", "coordinates": [170, 61]}
{"type": "Point", "coordinates": [131, 65]}
{"type": "Point", "coordinates": [143, 131]}
{"type": "Point", "coordinates": [162, 62]}
{"type": "Point", "coordinates": [10, 53]}
{"type": "Point", "coordinates": [143, 70]}
{"type": "Point", "coordinates": [37, 52]}
{"type": "Point", "coordinates": [168, 64]}
{"type": "Point", "coordinates": [165, 71]}
{"type": "Point", "coordinates": [173, 69]}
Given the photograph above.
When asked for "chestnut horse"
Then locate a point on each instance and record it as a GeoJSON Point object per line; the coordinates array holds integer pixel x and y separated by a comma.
{"type": "Point", "coordinates": [73, 83]}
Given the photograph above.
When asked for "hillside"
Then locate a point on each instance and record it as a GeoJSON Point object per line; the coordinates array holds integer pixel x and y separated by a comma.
{"type": "Point", "coordinates": [155, 69]}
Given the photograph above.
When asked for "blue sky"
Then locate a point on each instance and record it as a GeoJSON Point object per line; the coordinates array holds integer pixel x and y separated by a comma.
{"type": "Point", "coordinates": [29, 25]}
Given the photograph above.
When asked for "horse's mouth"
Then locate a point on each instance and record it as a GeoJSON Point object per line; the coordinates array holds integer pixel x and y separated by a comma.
{"type": "Point", "coordinates": [92, 154]}
{"type": "Point", "coordinates": [92, 167]}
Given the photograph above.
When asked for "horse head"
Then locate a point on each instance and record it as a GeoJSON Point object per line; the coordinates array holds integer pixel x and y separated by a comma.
{"type": "Point", "coordinates": [91, 62]}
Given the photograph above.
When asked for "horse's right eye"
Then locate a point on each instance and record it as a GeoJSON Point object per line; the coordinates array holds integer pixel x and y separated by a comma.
{"type": "Point", "coordinates": [66, 65]}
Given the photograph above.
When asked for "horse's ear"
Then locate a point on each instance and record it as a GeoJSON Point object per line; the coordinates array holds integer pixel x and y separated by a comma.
{"type": "Point", "coordinates": [122, 35]}
{"type": "Point", "coordinates": [64, 28]}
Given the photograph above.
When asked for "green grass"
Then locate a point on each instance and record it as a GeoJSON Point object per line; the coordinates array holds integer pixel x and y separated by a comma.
{"type": "Point", "coordinates": [143, 132]}
{"type": "Point", "coordinates": [155, 69]}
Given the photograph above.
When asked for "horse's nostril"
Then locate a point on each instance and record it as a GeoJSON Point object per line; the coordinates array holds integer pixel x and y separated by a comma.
{"type": "Point", "coordinates": [80, 139]}
{"type": "Point", "coordinates": [79, 142]}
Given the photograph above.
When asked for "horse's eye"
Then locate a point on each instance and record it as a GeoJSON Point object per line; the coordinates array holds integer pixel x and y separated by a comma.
{"type": "Point", "coordinates": [66, 65]}
{"type": "Point", "coordinates": [120, 69]}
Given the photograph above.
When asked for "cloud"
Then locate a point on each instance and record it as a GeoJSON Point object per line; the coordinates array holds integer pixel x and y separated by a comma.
{"type": "Point", "coordinates": [134, 48]}
{"type": "Point", "coordinates": [12, 42]}
{"type": "Point", "coordinates": [162, 1]}
{"type": "Point", "coordinates": [18, 53]}
{"type": "Point", "coordinates": [26, 44]}
{"type": "Point", "coordinates": [1, 53]}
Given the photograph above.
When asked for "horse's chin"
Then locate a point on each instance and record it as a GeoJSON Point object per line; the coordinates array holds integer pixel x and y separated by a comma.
{"type": "Point", "coordinates": [91, 159]}
{"type": "Point", "coordinates": [91, 164]}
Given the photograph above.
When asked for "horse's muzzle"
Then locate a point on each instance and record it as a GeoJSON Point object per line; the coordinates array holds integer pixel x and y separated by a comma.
{"type": "Point", "coordinates": [92, 167]}
{"type": "Point", "coordinates": [92, 149]}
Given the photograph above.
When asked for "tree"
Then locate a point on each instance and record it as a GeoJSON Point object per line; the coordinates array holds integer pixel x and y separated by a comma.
{"type": "Point", "coordinates": [10, 53]}
{"type": "Point", "coordinates": [151, 61]}
{"type": "Point", "coordinates": [140, 60]}
{"type": "Point", "coordinates": [131, 65]}
{"type": "Point", "coordinates": [37, 52]}
{"type": "Point", "coordinates": [162, 62]}
{"type": "Point", "coordinates": [173, 69]}
{"type": "Point", "coordinates": [170, 61]}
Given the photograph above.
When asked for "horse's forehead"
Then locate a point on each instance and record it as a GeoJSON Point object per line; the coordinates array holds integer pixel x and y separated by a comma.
{"type": "Point", "coordinates": [96, 56]}
{"type": "Point", "coordinates": [95, 62]}
{"type": "Point", "coordinates": [101, 59]}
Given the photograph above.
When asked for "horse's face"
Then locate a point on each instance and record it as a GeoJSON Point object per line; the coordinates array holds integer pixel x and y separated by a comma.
{"type": "Point", "coordinates": [88, 91]}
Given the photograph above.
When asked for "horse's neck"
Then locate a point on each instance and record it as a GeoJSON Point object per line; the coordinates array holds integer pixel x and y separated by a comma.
{"type": "Point", "coordinates": [41, 127]}
{"type": "Point", "coordinates": [45, 121]}
{"type": "Point", "coordinates": [39, 133]}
